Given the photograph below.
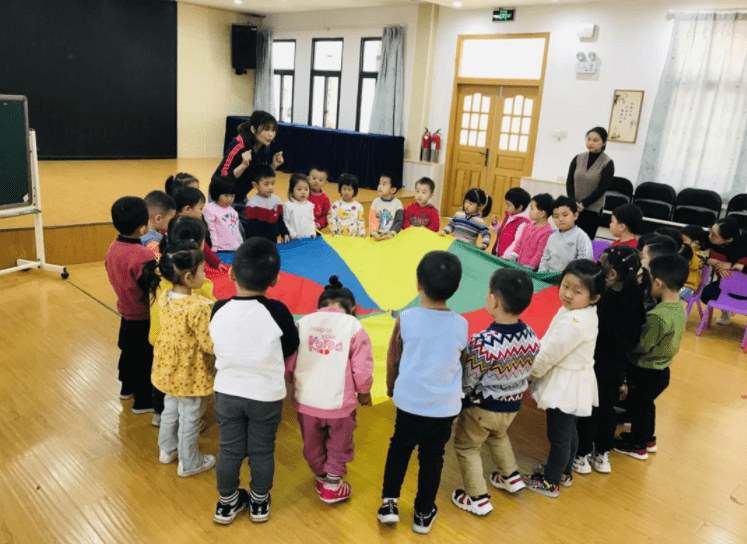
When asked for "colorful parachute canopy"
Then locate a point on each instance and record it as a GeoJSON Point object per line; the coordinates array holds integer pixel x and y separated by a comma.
{"type": "Point", "coordinates": [382, 277]}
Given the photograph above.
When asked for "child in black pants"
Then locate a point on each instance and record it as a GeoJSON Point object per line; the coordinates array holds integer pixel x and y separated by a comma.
{"type": "Point", "coordinates": [424, 379]}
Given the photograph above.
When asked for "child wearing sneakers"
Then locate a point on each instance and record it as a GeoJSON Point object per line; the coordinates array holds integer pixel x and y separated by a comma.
{"type": "Point", "coordinates": [332, 373]}
{"type": "Point", "coordinates": [648, 370]}
{"type": "Point", "coordinates": [252, 337]}
{"type": "Point", "coordinates": [564, 382]}
{"type": "Point", "coordinates": [424, 378]}
{"type": "Point", "coordinates": [499, 361]}
{"type": "Point", "coordinates": [124, 264]}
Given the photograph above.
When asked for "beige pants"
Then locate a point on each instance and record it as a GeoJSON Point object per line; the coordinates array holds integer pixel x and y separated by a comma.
{"type": "Point", "coordinates": [476, 426]}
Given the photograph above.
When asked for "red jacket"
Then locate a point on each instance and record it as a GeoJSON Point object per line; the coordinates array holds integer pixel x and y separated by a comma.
{"type": "Point", "coordinates": [507, 232]}
{"type": "Point", "coordinates": [421, 216]}
{"type": "Point", "coordinates": [321, 208]}
{"type": "Point", "coordinates": [124, 265]}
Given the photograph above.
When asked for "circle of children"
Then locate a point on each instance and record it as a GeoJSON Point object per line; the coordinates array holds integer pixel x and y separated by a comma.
{"type": "Point", "coordinates": [621, 321]}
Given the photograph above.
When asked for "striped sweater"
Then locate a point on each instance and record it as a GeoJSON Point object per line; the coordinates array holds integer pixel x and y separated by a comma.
{"type": "Point", "coordinates": [265, 218]}
{"type": "Point", "coordinates": [468, 228]}
{"type": "Point", "coordinates": [499, 361]}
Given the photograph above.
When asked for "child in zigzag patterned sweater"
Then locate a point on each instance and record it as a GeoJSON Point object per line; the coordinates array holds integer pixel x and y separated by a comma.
{"type": "Point", "coordinates": [498, 364]}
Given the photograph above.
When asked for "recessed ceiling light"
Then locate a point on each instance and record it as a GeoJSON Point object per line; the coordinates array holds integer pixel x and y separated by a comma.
{"type": "Point", "coordinates": [457, 4]}
{"type": "Point", "coordinates": [237, 2]}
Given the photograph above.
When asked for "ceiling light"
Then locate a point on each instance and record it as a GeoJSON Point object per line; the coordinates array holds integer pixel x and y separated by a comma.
{"type": "Point", "coordinates": [457, 4]}
{"type": "Point", "coordinates": [237, 2]}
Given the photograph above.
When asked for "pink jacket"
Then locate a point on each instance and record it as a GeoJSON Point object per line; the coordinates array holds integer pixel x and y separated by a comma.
{"type": "Point", "coordinates": [509, 232]}
{"type": "Point", "coordinates": [358, 374]}
{"type": "Point", "coordinates": [532, 243]}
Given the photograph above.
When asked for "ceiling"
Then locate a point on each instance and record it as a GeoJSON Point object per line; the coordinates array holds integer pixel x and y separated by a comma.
{"type": "Point", "coordinates": [264, 7]}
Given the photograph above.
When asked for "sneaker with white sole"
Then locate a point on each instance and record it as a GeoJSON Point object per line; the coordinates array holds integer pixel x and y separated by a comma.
{"type": "Point", "coordinates": [423, 523]}
{"type": "Point", "coordinates": [537, 483]}
{"type": "Point", "coordinates": [511, 483]}
{"type": "Point", "coordinates": [332, 493]}
{"type": "Point", "coordinates": [259, 511]}
{"type": "Point", "coordinates": [166, 458]}
{"type": "Point", "coordinates": [139, 411]}
{"type": "Point", "coordinates": [479, 506]}
{"type": "Point", "coordinates": [208, 462]}
{"type": "Point", "coordinates": [724, 319]}
{"type": "Point", "coordinates": [581, 464]}
{"type": "Point", "coordinates": [388, 512]}
{"type": "Point", "coordinates": [601, 462]}
{"type": "Point", "coordinates": [566, 480]}
{"type": "Point", "coordinates": [631, 450]}
{"type": "Point", "coordinates": [226, 513]}
{"type": "Point", "coordinates": [651, 446]}
{"type": "Point", "coordinates": [156, 421]}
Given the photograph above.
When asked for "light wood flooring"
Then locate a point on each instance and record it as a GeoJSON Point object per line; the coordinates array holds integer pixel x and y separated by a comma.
{"type": "Point", "coordinates": [76, 466]}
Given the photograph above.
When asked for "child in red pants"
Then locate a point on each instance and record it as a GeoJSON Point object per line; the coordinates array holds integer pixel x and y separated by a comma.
{"type": "Point", "coordinates": [332, 373]}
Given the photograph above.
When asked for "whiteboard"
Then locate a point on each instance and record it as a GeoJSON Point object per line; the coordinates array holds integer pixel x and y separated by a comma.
{"type": "Point", "coordinates": [15, 161]}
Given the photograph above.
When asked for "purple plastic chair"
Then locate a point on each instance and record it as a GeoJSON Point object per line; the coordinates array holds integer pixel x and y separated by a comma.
{"type": "Point", "coordinates": [598, 247]}
{"type": "Point", "coordinates": [736, 284]}
{"type": "Point", "coordinates": [695, 299]}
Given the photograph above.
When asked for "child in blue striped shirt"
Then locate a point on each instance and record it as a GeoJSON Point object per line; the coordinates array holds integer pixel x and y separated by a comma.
{"type": "Point", "coordinates": [468, 225]}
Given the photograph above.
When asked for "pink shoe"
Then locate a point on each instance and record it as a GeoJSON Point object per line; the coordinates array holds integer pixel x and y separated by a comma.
{"type": "Point", "coordinates": [337, 493]}
{"type": "Point", "coordinates": [319, 483]}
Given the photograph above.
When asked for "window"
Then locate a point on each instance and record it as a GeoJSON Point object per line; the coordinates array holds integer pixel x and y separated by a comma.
{"type": "Point", "coordinates": [326, 72]}
{"type": "Point", "coordinates": [369, 71]}
{"type": "Point", "coordinates": [516, 124]}
{"type": "Point", "coordinates": [284, 64]}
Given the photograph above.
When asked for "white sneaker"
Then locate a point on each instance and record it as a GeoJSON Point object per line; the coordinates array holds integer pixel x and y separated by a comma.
{"type": "Point", "coordinates": [601, 462]}
{"type": "Point", "coordinates": [167, 458]}
{"type": "Point", "coordinates": [581, 465]}
{"type": "Point", "coordinates": [479, 506]}
{"type": "Point", "coordinates": [511, 483]}
{"type": "Point", "coordinates": [725, 319]}
{"type": "Point", "coordinates": [156, 421]}
{"type": "Point", "coordinates": [208, 462]}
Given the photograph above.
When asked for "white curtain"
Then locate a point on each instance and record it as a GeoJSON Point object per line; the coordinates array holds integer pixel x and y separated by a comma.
{"type": "Point", "coordinates": [697, 135]}
{"type": "Point", "coordinates": [389, 93]}
{"type": "Point", "coordinates": [263, 95]}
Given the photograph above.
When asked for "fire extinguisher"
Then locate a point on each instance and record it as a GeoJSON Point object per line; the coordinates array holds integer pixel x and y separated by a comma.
{"type": "Point", "coordinates": [425, 148]}
{"type": "Point", "coordinates": [435, 145]}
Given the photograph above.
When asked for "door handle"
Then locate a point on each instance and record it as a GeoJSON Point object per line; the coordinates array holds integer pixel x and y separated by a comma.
{"type": "Point", "coordinates": [487, 156]}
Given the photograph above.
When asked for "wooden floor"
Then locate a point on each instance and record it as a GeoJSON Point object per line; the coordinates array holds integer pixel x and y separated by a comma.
{"type": "Point", "coordinates": [76, 466]}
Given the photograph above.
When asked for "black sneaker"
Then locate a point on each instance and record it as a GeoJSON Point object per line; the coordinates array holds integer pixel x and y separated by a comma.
{"type": "Point", "coordinates": [259, 511]}
{"type": "Point", "coordinates": [225, 513]}
{"type": "Point", "coordinates": [423, 523]}
{"type": "Point", "coordinates": [389, 513]}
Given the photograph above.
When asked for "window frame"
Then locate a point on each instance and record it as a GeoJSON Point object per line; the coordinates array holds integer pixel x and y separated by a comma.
{"type": "Point", "coordinates": [361, 76]}
{"type": "Point", "coordinates": [285, 72]}
{"type": "Point", "coordinates": [326, 74]}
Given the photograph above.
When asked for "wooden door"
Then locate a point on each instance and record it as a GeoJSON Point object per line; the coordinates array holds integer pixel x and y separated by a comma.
{"type": "Point", "coordinates": [494, 135]}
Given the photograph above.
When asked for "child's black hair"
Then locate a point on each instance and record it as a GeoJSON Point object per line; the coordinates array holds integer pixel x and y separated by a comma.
{"type": "Point", "coordinates": [642, 239]}
{"type": "Point", "coordinates": [728, 227]}
{"type": "Point", "coordinates": [178, 180]}
{"type": "Point", "coordinates": [659, 245]}
{"type": "Point", "coordinates": [221, 185]}
{"type": "Point", "coordinates": [631, 216]}
{"type": "Point", "coordinates": [256, 264]}
{"type": "Point", "coordinates": [696, 233]}
{"type": "Point", "coordinates": [319, 168]}
{"type": "Point", "coordinates": [626, 262]}
{"type": "Point", "coordinates": [544, 203]}
{"type": "Point", "coordinates": [177, 260]}
{"type": "Point", "coordinates": [672, 232]}
{"type": "Point", "coordinates": [481, 198]}
{"type": "Point", "coordinates": [439, 274]}
{"type": "Point", "coordinates": [187, 196]}
{"type": "Point", "coordinates": [427, 181]}
{"type": "Point", "coordinates": [335, 292]}
{"type": "Point", "coordinates": [518, 197]}
{"type": "Point", "coordinates": [396, 183]}
{"type": "Point", "coordinates": [183, 228]}
{"type": "Point", "coordinates": [159, 202]}
{"type": "Point", "coordinates": [295, 179]}
{"type": "Point", "coordinates": [513, 288]}
{"type": "Point", "coordinates": [129, 213]}
{"type": "Point", "coordinates": [262, 171]}
{"type": "Point", "coordinates": [590, 273]}
{"type": "Point", "coordinates": [348, 180]}
{"type": "Point", "coordinates": [565, 201]}
{"type": "Point", "coordinates": [673, 270]}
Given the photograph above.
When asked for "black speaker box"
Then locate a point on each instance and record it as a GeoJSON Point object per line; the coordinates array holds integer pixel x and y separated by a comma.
{"type": "Point", "coordinates": [243, 48]}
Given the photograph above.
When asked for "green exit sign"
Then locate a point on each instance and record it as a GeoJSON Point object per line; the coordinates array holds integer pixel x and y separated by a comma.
{"type": "Point", "coordinates": [500, 15]}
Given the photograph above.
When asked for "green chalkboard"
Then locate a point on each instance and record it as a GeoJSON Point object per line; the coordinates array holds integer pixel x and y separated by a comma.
{"type": "Point", "coordinates": [15, 164]}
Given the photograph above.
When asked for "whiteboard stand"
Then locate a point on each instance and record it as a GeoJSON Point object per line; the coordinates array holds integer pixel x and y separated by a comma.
{"type": "Point", "coordinates": [35, 209]}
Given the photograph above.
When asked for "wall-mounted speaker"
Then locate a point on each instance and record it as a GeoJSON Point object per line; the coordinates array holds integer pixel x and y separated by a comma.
{"type": "Point", "coordinates": [243, 48]}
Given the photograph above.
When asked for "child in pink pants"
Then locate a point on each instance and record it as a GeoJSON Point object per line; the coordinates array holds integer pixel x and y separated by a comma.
{"type": "Point", "coordinates": [331, 373]}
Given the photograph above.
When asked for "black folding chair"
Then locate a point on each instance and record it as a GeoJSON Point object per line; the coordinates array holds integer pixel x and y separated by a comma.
{"type": "Point", "coordinates": [697, 207]}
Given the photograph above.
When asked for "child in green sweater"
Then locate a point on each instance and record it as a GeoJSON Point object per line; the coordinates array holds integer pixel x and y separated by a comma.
{"type": "Point", "coordinates": [648, 370]}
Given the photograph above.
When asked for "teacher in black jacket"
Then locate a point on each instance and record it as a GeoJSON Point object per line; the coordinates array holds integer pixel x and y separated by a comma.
{"type": "Point", "coordinates": [589, 177]}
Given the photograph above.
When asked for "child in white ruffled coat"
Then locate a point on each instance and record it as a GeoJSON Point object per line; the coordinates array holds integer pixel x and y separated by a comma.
{"type": "Point", "coordinates": [565, 385]}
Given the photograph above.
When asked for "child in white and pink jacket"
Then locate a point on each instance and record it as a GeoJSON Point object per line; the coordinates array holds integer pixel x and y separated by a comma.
{"type": "Point", "coordinates": [332, 373]}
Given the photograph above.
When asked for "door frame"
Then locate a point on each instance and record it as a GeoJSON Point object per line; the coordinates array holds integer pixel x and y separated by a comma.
{"type": "Point", "coordinates": [493, 82]}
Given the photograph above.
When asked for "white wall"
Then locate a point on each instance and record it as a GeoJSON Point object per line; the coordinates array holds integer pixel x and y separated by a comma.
{"type": "Point", "coordinates": [632, 43]}
{"type": "Point", "coordinates": [351, 25]}
{"type": "Point", "coordinates": [208, 89]}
